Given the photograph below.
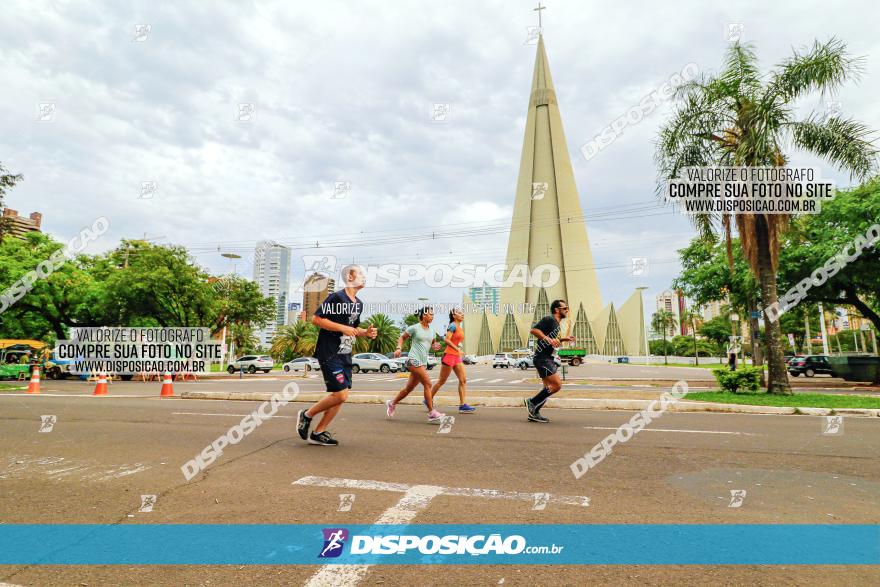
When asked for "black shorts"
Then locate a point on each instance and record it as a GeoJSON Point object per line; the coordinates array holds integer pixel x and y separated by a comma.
{"type": "Point", "coordinates": [337, 373]}
{"type": "Point", "coordinates": [545, 366]}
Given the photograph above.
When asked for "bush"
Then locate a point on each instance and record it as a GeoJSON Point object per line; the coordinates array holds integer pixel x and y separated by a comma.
{"type": "Point", "coordinates": [745, 379]}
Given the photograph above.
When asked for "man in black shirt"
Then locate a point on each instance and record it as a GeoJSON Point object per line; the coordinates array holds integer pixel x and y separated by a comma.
{"type": "Point", "coordinates": [547, 333]}
{"type": "Point", "coordinates": [337, 317]}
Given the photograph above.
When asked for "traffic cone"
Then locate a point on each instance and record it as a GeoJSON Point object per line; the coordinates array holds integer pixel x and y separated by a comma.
{"type": "Point", "coordinates": [101, 386]}
{"type": "Point", "coordinates": [34, 385]}
{"type": "Point", "coordinates": [167, 386]}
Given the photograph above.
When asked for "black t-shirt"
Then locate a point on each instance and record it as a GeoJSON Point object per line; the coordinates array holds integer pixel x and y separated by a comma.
{"type": "Point", "coordinates": [338, 308]}
{"type": "Point", "coordinates": [550, 327]}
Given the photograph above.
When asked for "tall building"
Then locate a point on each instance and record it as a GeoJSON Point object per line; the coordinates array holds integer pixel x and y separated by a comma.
{"type": "Point", "coordinates": [485, 297]}
{"type": "Point", "coordinates": [272, 274]}
{"type": "Point", "coordinates": [293, 310]}
{"type": "Point", "coordinates": [711, 310]}
{"type": "Point", "coordinates": [548, 229]}
{"type": "Point", "coordinates": [19, 225]}
{"type": "Point", "coordinates": [316, 288]}
{"type": "Point", "coordinates": [672, 302]}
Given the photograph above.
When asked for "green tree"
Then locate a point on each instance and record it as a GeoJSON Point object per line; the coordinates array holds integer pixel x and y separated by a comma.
{"type": "Point", "coordinates": [243, 337]}
{"type": "Point", "coordinates": [816, 238]}
{"type": "Point", "coordinates": [661, 322]}
{"type": "Point", "coordinates": [690, 317]}
{"type": "Point", "coordinates": [50, 304]}
{"type": "Point", "coordinates": [718, 331]}
{"type": "Point", "coordinates": [741, 118]}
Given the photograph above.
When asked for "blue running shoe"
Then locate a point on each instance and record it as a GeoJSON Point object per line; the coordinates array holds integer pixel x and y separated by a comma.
{"type": "Point", "coordinates": [466, 409]}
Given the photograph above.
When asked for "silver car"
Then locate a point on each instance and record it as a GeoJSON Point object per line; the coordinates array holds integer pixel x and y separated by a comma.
{"type": "Point", "coordinates": [252, 364]}
{"type": "Point", "coordinates": [303, 364]}
{"type": "Point", "coordinates": [373, 362]}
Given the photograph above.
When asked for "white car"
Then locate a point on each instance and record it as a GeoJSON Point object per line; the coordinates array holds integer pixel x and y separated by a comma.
{"type": "Point", "coordinates": [252, 364]}
{"type": "Point", "coordinates": [503, 360]}
{"type": "Point", "coordinates": [373, 362]}
{"type": "Point", "coordinates": [303, 364]}
{"type": "Point", "coordinates": [525, 362]}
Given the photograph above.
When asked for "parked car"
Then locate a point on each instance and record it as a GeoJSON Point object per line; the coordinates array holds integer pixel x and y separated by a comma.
{"type": "Point", "coordinates": [303, 364]}
{"type": "Point", "coordinates": [401, 361]}
{"type": "Point", "coordinates": [503, 360]}
{"type": "Point", "coordinates": [810, 365]}
{"type": "Point", "coordinates": [469, 359]}
{"type": "Point", "coordinates": [525, 362]}
{"type": "Point", "coordinates": [252, 364]}
{"type": "Point", "coordinates": [373, 362]}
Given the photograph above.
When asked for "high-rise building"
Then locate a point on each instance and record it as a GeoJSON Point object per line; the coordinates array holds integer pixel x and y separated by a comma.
{"type": "Point", "coordinates": [485, 297]}
{"type": "Point", "coordinates": [293, 310]}
{"type": "Point", "coordinates": [673, 303]}
{"type": "Point", "coordinates": [17, 225]}
{"type": "Point", "coordinates": [316, 288]}
{"type": "Point", "coordinates": [548, 231]}
{"type": "Point", "coordinates": [711, 310]}
{"type": "Point", "coordinates": [272, 274]}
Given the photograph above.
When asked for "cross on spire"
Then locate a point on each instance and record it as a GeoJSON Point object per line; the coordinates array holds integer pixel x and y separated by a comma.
{"type": "Point", "coordinates": [538, 10]}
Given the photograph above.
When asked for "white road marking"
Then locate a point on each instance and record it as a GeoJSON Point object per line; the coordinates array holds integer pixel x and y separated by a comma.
{"type": "Point", "coordinates": [495, 380]}
{"type": "Point", "coordinates": [415, 499]}
{"type": "Point", "coordinates": [90, 471]}
{"type": "Point", "coordinates": [671, 430]}
{"type": "Point", "coordinates": [475, 380]}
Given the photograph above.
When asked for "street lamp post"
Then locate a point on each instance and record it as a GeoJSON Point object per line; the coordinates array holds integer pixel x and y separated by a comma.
{"type": "Point", "coordinates": [644, 326]}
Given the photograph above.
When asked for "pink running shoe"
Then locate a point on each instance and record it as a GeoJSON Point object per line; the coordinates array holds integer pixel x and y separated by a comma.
{"type": "Point", "coordinates": [434, 417]}
{"type": "Point", "coordinates": [389, 408]}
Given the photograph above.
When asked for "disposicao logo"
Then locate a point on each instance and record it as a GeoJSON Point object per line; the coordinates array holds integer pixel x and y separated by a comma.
{"type": "Point", "coordinates": [334, 540]}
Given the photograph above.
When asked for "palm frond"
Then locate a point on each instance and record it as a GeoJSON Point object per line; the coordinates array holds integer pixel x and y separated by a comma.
{"type": "Point", "coordinates": [824, 67]}
{"type": "Point", "coordinates": [844, 142]}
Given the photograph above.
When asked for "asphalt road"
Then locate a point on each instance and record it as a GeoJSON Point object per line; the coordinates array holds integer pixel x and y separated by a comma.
{"type": "Point", "coordinates": [104, 453]}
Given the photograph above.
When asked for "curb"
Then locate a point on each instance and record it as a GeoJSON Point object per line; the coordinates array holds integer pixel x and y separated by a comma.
{"type": "Point", "coordinates": [568, 403]}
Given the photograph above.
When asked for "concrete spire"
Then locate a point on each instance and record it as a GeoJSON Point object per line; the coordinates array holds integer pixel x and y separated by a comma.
{"type": "Point", "coordinates": [548, 224]}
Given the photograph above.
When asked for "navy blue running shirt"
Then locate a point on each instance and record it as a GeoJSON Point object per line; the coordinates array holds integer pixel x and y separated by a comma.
{"type": "Point", "coordinates": [338, 308]}
{"type": "Point", "coordinates": [550, 327]}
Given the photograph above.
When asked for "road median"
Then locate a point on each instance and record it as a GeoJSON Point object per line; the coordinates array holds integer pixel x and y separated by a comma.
{"type": "Point", "coordinates": [565, 403]}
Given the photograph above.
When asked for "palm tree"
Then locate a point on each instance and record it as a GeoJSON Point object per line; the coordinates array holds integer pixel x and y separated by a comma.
{"type": "Point", "coordinates": [386, 337]}
{"type": "Point", "coordinates": [690, 316]}
{"type": "Point", "coordinates": [243, 337]}
{"type": "Point", "coordinates": [661, 322]}
{"type": "Point", "coordinates": [295, 340]}
{"type": "Point", "coordinates": [742, 118]}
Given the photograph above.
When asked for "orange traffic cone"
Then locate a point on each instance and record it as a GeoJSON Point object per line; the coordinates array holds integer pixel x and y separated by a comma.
{"type": "Point", "coordinates": [34, 385]}
{"type": "Point", "coordinates": [101, 386]}
{"type": "Point", "coordinates": [167, 386]}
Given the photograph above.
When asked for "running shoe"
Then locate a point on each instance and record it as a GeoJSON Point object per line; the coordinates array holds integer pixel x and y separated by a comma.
{"type": "Point", "coordinates": [389, 408]}
{"type": "Point", "coordinates": [538, 418]}
{"type": "Point", "coordinates": [303, 423]}
{"type": "Point", "coordinates": [466, 409]}
{"type": "Point", "coordinates": [534, 413]}
{"type": "Point", "coordinates": [527, 402]}
{"type": "Point", "coordinates": [323, 439]}
{"type": "Point", "coordinates": [434, 417]}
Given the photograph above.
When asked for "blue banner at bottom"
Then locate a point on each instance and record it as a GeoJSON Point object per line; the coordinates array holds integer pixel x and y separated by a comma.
{"type": "Point", "coordinates": [450, 544]}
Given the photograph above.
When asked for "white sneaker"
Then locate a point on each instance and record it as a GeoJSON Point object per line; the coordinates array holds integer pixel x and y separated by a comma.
{"type": "Point", "coordinates": [389, 408]}
{"type": "Point", "coordinates": [434, 417]}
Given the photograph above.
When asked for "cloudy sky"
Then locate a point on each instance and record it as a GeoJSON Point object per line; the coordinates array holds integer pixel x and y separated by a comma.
{"type": "Point", "coordinates": [344, 92]}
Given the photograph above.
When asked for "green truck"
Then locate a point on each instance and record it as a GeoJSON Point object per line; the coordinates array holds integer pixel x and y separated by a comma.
{"type": "Point", "coordinates": [573, 357]}
{"type": "Point", "coordinates": [18, 356]}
